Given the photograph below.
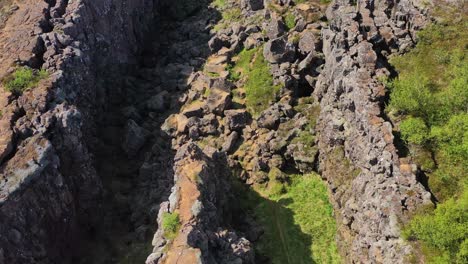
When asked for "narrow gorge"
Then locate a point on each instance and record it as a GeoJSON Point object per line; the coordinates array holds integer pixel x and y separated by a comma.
{"type": "Point", "coordinates": [228, 131]}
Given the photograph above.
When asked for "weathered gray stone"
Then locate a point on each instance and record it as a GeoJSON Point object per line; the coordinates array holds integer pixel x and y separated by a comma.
{"type": "Point", "coordinates": [279, 50]}
{"type": "Point", "coordinates": [135, 138]}
{"type": "Point", "coordinates": [275, 28]}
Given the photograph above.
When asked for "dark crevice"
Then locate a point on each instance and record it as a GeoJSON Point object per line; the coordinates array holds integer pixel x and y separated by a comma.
{"type": "Point", "coordinates": [133, 156]}
{"type": "Point", "coordinates": [422, 178]}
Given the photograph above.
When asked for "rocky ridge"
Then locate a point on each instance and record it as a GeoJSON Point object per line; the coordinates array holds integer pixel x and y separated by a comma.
{"type": "Point", "coordinates": [200, 197]}
{"type": "Point", "coordinates": [377, 190]}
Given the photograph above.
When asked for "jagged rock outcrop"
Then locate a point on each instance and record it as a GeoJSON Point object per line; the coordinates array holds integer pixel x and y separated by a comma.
{"type": "Point", "coordinates": [374, 190]}
{"type": "Point", "coordinates": [200, 198]}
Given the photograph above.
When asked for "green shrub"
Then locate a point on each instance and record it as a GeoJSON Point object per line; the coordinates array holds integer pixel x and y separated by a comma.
{"type": "Point", "coordinates": [414, 130]}
{"type": "Point", "coordinates": [24, 78]}
{"type": "Point", "coordinates": [431, 95]}
{"type": "Point", "coordinates": [220, 4]}
{"type": "Point", "coordinates": [444, 232]}
{"type": "Point", "coordinates": [171, 224]}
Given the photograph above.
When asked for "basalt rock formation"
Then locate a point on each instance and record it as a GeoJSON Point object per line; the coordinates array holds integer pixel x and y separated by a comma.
{"type": "Point", "coordinates": [139, 117]}
{"type": "Point", "coordinates": [48, 186]}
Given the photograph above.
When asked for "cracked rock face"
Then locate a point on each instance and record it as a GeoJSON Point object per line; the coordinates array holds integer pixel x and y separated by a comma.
{"type": "Point", "coordinates": [49, 189]}
{"type": "Point", "coordinates": [375, 190]}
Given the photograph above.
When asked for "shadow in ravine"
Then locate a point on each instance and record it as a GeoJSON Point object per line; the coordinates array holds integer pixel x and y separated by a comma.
{"type": "Point", "coordinates": [133, 156]}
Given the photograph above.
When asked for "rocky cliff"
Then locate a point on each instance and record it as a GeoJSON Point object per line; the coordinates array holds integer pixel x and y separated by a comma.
{"type": "Point", "coordinates": [49, 188]}
{"type": "Point", "coordinates": [89, 147]}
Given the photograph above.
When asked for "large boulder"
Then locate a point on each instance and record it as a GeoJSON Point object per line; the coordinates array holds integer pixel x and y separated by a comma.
{"type": "Point", "coordinates": [275, 28]}
{"type": "Point", "coordinates": [307, 42]}
{"type": "Point", "coordinates": [236, 119]}
{"type": "Point", "coordinates": [279, 51]}
{"type": "Point", "coordinates": [135, 138]}
{"type": "Point", "coordinates": [218, 100]}
{"type": "Point", "coordinates": [253, 5]}
{"type": "Point", "coordinates": [158, 102]}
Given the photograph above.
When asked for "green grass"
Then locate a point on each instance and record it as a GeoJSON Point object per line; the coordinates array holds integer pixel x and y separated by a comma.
{"type": "Point", "coordinates": [430, 96]}
{"type": "Point", "coordinates": [228, 17]}
{"type": "Point", "coordinates": [220, 4]}
{"type": "Point", "coordinates": [170, 224]}
{"type": "Point", "coordinates": [260, 91]}
{"type": "Point", "coordinates": [23, 78]}
{"type": "Point", "coordinates": [290, 20]}
{"type": "Point", "coordinates": [298, 222]}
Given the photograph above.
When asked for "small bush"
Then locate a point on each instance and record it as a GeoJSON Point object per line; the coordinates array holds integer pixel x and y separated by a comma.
{"type": "Point", "coordinates": [414, 130]}
{"type": "Point", "coordinates": [23, 78]}
{"type": "Point", "coordinates": [171, 224]}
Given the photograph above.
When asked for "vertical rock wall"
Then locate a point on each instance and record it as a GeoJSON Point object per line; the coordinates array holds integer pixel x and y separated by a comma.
{"type": "Point", "coordinates": [373, 190]}
{"type": "Point", "coordinates": [49, 190]}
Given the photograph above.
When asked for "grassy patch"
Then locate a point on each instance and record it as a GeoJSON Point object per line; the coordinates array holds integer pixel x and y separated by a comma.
{"type": "Point", "coordinates": [220, 4]}
{"type": "Point", "coordinates": [229, 16]}
{"type": "Point", "coordinates": [290, 20]}
{"type": "Point", "coordinates": [298, 221]}
{"type": "Point", "coordinates": [170, 224]}
{"type": "Point", "coordinates": [23, 78]}
{"type": "Point", "coordinates": [254, 70]}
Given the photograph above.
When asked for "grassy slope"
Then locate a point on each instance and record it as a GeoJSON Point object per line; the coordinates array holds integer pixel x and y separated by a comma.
{"type": "Point", "coordinates": [254, 70]}
{"type": "Point", "coordinates": [430, 96]}
{"type": "Point", "coordinates": [298, 222]}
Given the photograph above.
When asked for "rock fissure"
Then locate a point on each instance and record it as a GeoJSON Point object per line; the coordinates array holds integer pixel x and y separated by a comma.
{"type": "Point", "coordinates": [154, 109]}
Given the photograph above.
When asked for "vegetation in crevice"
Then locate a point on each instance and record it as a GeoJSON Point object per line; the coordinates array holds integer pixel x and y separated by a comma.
{"type": "Point", "coordinates": [254, 72]}
{"type": "Point", "coordinates": [23, 78]}
{"type": "Point", "coordinates": [429, 100]}
{"type": "Point", "coordinates": [229, 14]}
{"type": "Point", "coordinates": [170, 224]}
